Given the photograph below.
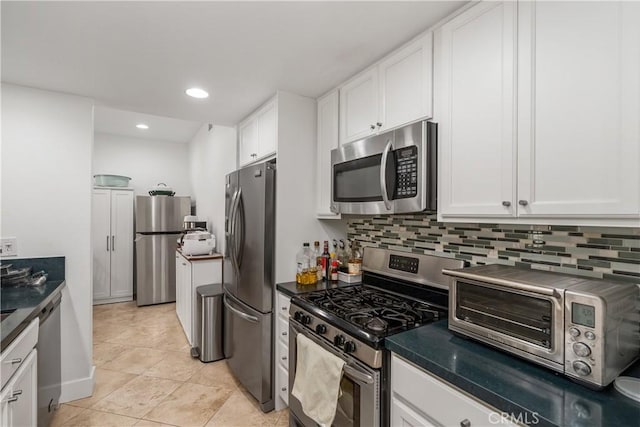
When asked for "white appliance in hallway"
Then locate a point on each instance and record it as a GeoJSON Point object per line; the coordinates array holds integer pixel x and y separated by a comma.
{"type": "Point", "coordinates": [159, 221]}
{"type": "Point", "coordinates": [248, 277]}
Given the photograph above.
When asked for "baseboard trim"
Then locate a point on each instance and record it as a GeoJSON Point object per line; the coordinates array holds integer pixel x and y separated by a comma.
{"type": "Point", "coordinates": [78, 389]}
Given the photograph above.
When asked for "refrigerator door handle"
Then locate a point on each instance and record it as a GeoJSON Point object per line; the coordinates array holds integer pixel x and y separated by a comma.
{"type": "Point", "coordinates": [243, 315]}
{"type": "Point", "coordinates": [107, 243]}
{"type": "Point", "coordinates": [233, 231]}
{"type": "Point", "coordinates": [239, 230]}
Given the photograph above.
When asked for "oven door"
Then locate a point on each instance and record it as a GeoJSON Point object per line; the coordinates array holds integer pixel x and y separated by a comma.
{"type": "Point", "coordinates": [523, 322]}
{"type": "Point", "coordinates": [359, 401]}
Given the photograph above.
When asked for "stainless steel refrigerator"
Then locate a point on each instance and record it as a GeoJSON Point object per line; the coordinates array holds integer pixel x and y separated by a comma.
{"type": "Point", "coordinates": [159, 223]}
{"type": "Point", "coordinates": [248, 274]}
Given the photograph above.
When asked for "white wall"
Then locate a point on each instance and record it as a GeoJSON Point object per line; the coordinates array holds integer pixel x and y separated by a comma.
{"type": "Point", "coordinates": [212, 155]}
{"type": "Point", "coordinates": [47, 140]}
{"type": "Point", "coordinates": [146, 162]}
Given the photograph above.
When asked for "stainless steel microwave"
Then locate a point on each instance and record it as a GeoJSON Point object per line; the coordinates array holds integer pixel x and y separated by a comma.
{"type": "Point", "coordinates": [394, 172]}
{"type": "Point", "coordinates": [587, 329]}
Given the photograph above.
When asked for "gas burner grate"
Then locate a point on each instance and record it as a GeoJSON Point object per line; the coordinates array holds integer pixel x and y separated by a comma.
{"type": "Point", "coordinates": [373, 310]}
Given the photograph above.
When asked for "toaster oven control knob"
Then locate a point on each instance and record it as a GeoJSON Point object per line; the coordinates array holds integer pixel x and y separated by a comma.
{"type": "Point", "coordinates": [581, 368]}
{"type": "Point", "coordinates": [349, 347]}
{"type": "Point", "coordinates": [338, 340]}
{"type": "Point", "coordinates": [305, 319]}
{"type": "Point", "coordinates": [574, 332]}
{"type": "Point", "coordinates": [581, 349]}
{"type": "Point", "coordinates": [321, 329]}
{"type": "Point", "coordinates": [590, 335]}
{"type": "Point", "coordinates": [297, 316]}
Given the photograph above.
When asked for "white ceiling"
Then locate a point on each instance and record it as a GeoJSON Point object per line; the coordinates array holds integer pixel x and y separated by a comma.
{"type": "Point", "coordinates": [141, 56]}
{"type": "Point", "coordinates": [120, 122]}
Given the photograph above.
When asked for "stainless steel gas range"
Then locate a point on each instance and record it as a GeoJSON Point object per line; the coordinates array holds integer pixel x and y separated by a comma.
{"type": "Point", "coordinates": [400, 291]}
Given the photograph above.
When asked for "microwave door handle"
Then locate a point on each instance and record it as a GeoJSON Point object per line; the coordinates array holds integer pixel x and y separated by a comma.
{"type": "Point", "coordinates": [383, 175]}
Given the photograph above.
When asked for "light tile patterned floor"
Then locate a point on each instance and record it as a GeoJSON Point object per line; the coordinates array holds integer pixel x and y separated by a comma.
{"type": "Point", "coordinates": [145, 377]}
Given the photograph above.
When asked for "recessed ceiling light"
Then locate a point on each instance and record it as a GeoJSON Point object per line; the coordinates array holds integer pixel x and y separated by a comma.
{"type": "Point", "coordinates": [142, 126]}
{"type": "Point", "coordinates": [196, 92]}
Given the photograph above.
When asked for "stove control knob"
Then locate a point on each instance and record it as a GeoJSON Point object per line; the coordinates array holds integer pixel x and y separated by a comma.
{"type": "Point", "coordinates": [306, 319]}
{"type": "Point", "coordinates": [349, 347]}
{"type": "Point", "coordinates": [297, 316]}
{"type": "Point", "coordinates": [321, 329]}
{"type": "Point", "coordinates": [338, 340]}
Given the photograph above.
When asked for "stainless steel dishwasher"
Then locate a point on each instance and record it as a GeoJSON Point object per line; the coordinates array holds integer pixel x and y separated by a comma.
{"type": "Point", "coordinates": [49, 361]}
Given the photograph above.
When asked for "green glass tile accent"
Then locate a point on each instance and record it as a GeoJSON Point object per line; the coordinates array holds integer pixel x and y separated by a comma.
{"type": "Point", "coordinates": [594, 263]}
{"type": "Point", "coordinates": [630, 255]}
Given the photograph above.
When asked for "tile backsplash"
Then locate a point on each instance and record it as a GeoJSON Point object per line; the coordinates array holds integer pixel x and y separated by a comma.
{"type": "Point", "coordinates": [602, 252]}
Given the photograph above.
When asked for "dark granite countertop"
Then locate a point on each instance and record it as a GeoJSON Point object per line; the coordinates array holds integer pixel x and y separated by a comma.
{"type": "Point", "coordinates": [513, 385]}
{"type": "Point", "coordinates": [292, 288]}
{"type": "Point", "coordinates": [28, 301]}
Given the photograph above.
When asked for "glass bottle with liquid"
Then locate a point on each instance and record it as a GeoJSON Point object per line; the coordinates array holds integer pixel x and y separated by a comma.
{"type": "Point", "coordinates": [303, 270]}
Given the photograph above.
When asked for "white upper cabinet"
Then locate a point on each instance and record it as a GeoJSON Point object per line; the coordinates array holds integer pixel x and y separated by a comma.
{"type": "Point", "coordinates": [359, 107]}
{"type": "Point", "coordinates": [248, 135]}
{"type": "Point", "coordinates": [396, 91]}
{"type": "Point", "coordinates": [475, 111]}
{"type": "Point", "coordinates": [328, 108]}
{"type": "Point", "coordinates": [258, 134]}
{"type": "Point", "coordinates": [558, 142]}
{"type": "Point", "coordinates": [578, 109]}
{"type": "Point", "coordinates": [405, 84]}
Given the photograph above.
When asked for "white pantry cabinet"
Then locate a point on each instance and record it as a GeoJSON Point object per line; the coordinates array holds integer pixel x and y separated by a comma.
{"type": "Point", "coordinates": [189, 275]}
{"type": "Point", "coordinates": [328, 139]}
{"type": "Point", "coordinates": [558, 142]}
{"type": "Point", "coordinates": [258, 134]}
{"type": "Point", "coordinates": [420, 399]}
{"type": "Point", "coordinates": [396, 91]}
{"type": "Point", "coordinates": [112, 234]}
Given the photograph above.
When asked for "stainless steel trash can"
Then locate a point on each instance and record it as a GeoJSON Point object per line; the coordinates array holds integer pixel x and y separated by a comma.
{"type": "Point", "coordinates": [208, 327]}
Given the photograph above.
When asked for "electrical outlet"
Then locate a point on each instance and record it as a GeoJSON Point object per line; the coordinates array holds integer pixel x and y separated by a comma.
{"type": "Point", "coordinates": [9, 246]}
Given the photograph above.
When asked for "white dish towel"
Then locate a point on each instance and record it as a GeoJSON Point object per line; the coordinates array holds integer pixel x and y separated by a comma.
{"type": "Point", "coordinates": [317, 381]}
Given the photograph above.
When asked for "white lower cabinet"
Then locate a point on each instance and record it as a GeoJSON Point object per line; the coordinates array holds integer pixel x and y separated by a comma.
{"type": "Point", "coordinates": [19, 394]}
{"type": "Point", "coordinates": [281, 368]}
{"type": "Point", "coordinates": [189, 275]}
{"type": "Point", "coordinates": [420, 399]}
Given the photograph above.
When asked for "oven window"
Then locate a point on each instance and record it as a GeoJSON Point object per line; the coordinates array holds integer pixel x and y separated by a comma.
{"type": "Point", "coordinates": [358, 180]}
{"type": "Point", "coordinates": [521, 316]}
{"type": "Point", "coordinates": [348, 409]}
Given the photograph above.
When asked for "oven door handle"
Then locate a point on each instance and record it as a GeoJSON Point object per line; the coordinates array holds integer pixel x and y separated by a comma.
{"type": "Point", "coordinates": [357, 375]}
{"type": "Point", "coordinates": [383, 175]}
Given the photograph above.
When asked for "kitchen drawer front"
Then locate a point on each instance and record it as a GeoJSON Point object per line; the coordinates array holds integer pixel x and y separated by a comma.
{"type": "Point", "coordinates": [283, 384]}
{"type": "Point", "coordinates": [18, 350]}
{"type": "Point", "coordinates": [282, 329]}
{"type": "Point", "coordinates": [283, 354]}
{"type": "Point", "coordinates": [436, 400]}
{"type": "Point", "coordinates": [283, 304]}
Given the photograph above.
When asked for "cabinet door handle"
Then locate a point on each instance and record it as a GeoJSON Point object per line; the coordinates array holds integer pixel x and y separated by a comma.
{"type": "Point", "coordinates": [284, 358]}
{"type": "Point", "coordinates": [284, 334]}
{"type": "Point", "coordinates": [12, 399]}
{"type": "Point", "coordinates": [465, 423]}
{"type": "Point", "coordinates": [113, 243]}
{"type": "Point", "coordinates": [523, 202]}
{"type": "Point", "coordinates": [16, 393]}
{"type": "Point", "coordinates": [283, 389]}
{"type": "Point", "coordinates": [372, 127]}
{"type": "Point", "coordinates": [16, 360]}
{"type": "Point", "coordinates": [379, 124]}
{"type": "Point", "coordinates": [283, 308]}
{"type": "Point", "coordinates": [506, 203]}
{"type": "Point", "coordinates": [107, 243]}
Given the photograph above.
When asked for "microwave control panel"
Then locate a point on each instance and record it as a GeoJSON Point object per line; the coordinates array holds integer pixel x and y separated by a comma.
{"type": "Point", "coordinates": [406, 172]}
